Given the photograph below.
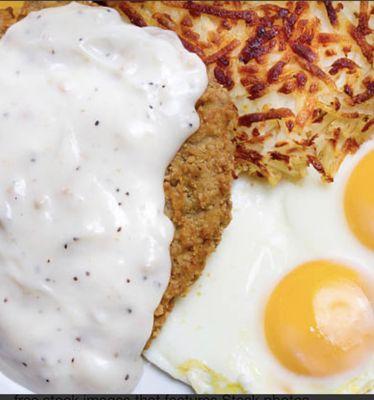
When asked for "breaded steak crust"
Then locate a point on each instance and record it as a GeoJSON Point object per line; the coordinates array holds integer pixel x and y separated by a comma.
{"type": "Point", "coordinates": [197, 188]}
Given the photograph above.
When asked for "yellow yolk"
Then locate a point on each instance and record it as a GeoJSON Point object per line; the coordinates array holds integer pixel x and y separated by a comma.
{"type": "Point", "coordinates": [319, 319]}
{"type": "Point", "coordinates": [359, 201]}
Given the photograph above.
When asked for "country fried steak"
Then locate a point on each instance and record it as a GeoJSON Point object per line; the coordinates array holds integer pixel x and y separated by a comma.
{"type": "Point", "coordinates": [197, 184]}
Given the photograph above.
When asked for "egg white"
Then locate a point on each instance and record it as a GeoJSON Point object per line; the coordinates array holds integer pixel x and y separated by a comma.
{"type": "Point", "coordinates": [214, 338]}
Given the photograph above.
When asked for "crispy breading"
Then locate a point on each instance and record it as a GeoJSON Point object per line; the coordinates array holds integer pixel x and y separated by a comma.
{"type": "Point", "coordinates": [197, 187]}
{"type": "Point", "coordinates": [13, 11]}
{"type": "Point", "coordinates": [300, 74]}
{"type": "Point", "coordinates": [7, 17]}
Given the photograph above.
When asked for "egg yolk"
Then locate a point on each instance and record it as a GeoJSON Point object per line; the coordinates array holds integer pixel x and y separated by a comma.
{"type": "Point", "coordinates": [359, 201]}
{"type": "Point", "coordinates": [319, 319]}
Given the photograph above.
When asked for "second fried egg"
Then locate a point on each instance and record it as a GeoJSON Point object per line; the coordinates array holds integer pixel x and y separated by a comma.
{"type": "Point", "coordinates": [285, 304]}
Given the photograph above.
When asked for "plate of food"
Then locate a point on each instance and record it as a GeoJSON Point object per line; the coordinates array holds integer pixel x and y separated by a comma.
{"type": "Point", "coordinates": [187, 197]}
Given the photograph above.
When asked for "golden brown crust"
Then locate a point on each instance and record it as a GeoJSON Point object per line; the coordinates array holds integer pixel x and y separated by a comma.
{"type": "Point", "coordinates": [7, 17]}
{"type": "Point", "coordinates": [197, 188]}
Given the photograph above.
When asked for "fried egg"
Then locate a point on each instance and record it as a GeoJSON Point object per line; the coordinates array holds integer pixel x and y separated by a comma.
{"type": "Point", "coordinates": [285, 304]}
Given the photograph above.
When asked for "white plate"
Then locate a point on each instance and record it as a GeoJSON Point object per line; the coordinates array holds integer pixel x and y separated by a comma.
{"type": "Point", "coordinates": [153, 381]}
{"type": "Point", "coordinates": [156, 381]}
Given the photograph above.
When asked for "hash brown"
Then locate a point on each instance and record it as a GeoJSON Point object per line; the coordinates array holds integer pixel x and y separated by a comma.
{"type": "Point", "coordinates": [299, 72]}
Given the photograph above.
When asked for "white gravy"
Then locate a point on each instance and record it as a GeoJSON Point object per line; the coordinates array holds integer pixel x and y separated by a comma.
{"type": "Point", "coordinates": [92, 110]}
